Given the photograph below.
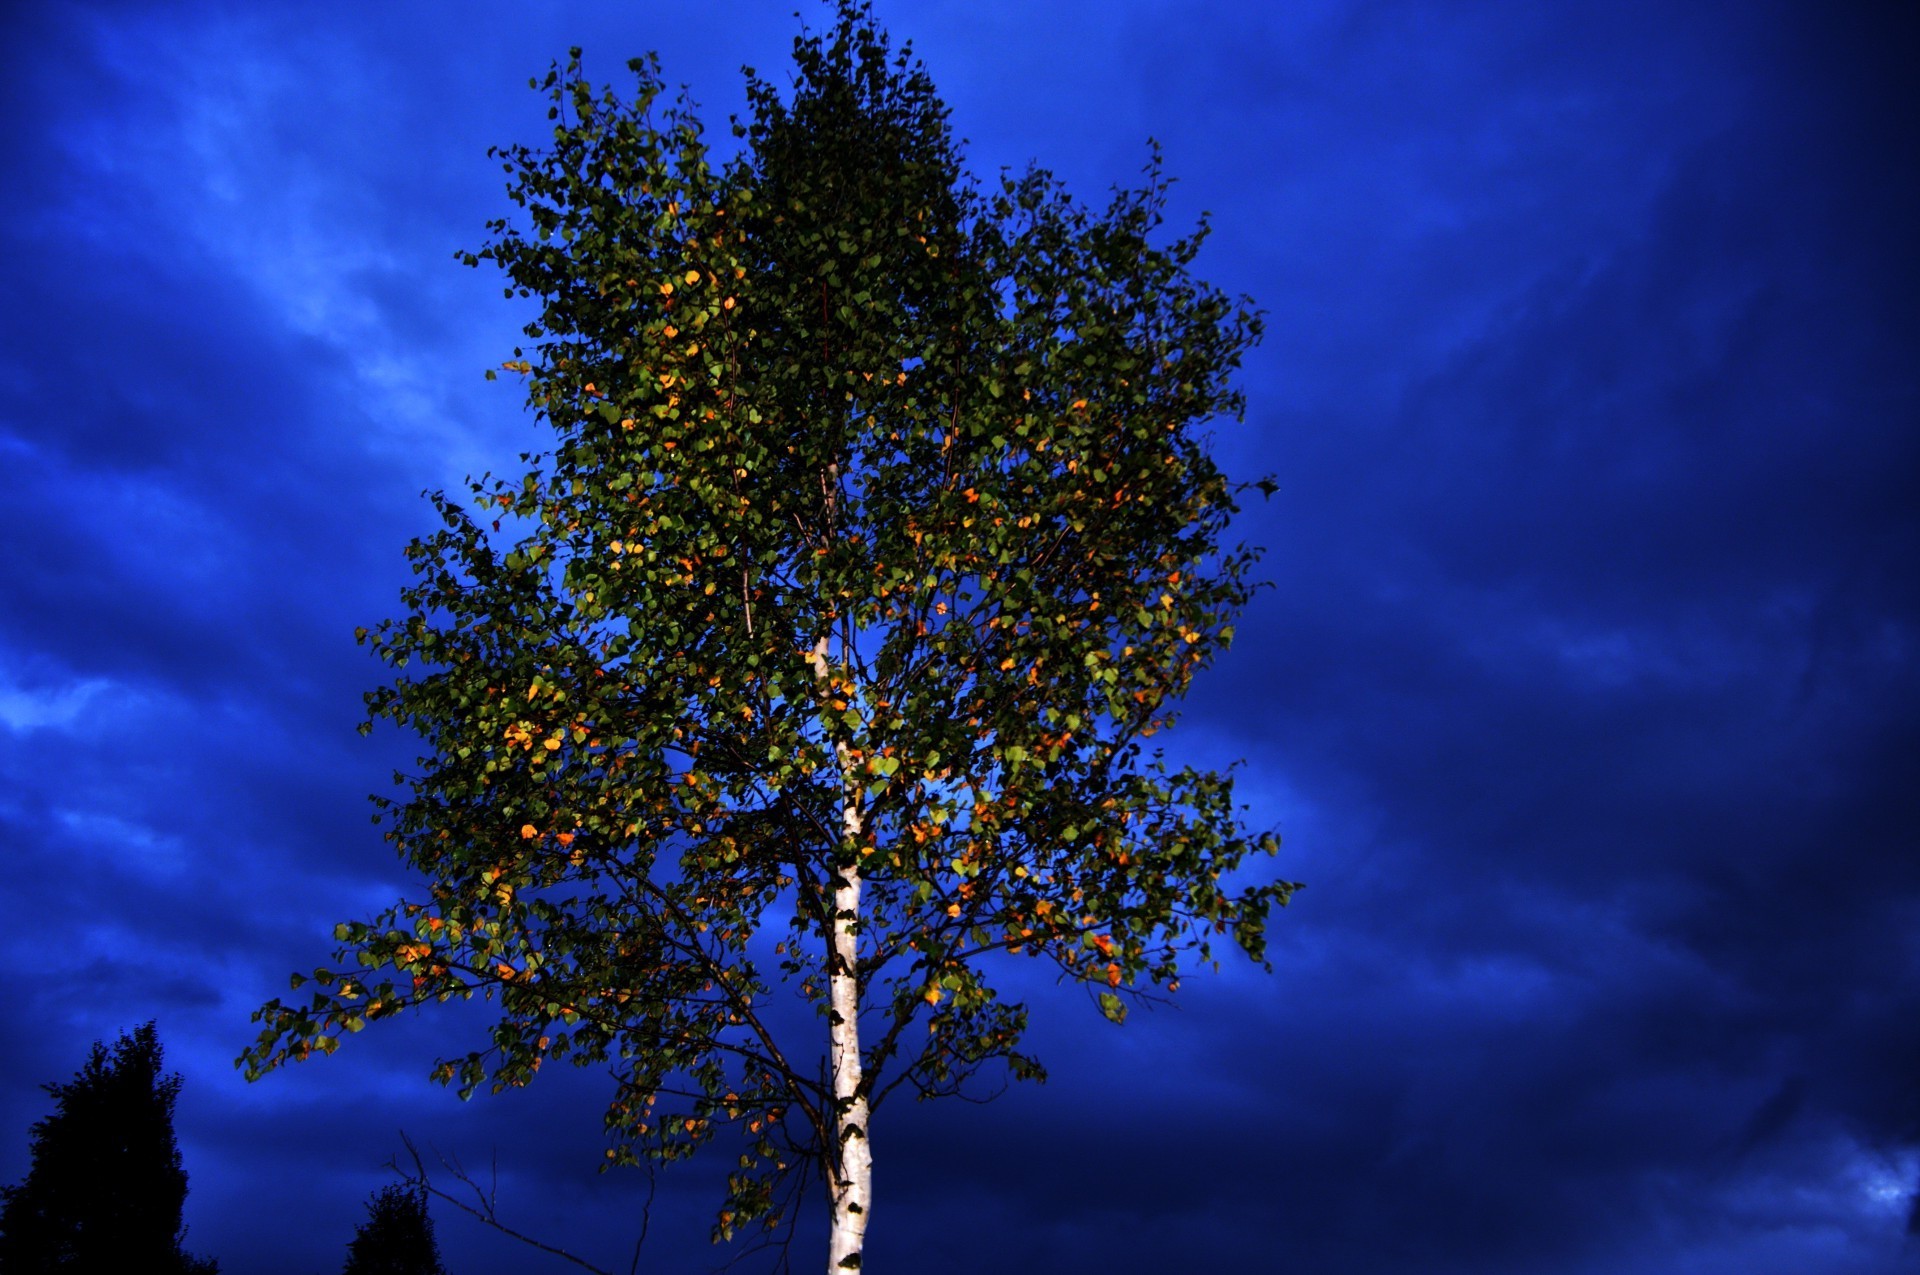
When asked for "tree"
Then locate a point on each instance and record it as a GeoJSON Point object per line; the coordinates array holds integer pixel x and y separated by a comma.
{"type": "Point", "coordinates": [106, 1186]}
{"type": "Point", "coordinates": [397, 1237]}
{"type": "Point", "coordinates": [878, 533]}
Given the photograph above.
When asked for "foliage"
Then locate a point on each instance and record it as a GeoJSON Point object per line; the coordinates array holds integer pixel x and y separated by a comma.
{"type": "Point", "coordinates": [106, 1187]}
{"type": "Point", "coordinates": [397, 1237]}
{"type": "Point", "coordinates": [878, 533]}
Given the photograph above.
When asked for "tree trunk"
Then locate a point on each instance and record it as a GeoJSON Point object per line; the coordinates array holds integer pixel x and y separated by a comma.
{"type": "Point", "coordinates": [853, 1157]}
{"type": "Point", "coordinates": [850, 1158]}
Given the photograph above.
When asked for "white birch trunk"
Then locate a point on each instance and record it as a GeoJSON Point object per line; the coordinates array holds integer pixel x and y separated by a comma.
{"type": "Point", "coordinates": [853, 1177]}
{"type": "Point", "coordinates": [851, 1157]}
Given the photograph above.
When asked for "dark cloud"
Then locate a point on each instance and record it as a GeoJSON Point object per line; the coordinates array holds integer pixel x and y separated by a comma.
{"type": "Point", "coordinates": [1585, 694]}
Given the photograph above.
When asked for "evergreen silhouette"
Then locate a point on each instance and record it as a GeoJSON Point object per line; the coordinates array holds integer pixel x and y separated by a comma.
{"type": "Point", "coordinates": [106, 1187]}
{"type": "Point", "coordinates": [396, 1238]}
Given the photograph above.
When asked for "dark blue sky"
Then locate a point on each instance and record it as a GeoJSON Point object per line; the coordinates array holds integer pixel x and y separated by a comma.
{"type": "Point", "coordinates": [1585, 695]}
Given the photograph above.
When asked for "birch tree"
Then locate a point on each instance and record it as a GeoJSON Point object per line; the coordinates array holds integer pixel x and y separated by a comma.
{"type": "Point", "coordinates": [815, 660]}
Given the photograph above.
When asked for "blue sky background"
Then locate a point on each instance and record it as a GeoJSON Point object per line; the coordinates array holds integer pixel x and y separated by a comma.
{"type": "Point", "coordinates": [1585, 695]}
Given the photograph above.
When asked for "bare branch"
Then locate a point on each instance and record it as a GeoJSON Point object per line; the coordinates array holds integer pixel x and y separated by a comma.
{"type": "Point", "coordinates": [486, 1210]}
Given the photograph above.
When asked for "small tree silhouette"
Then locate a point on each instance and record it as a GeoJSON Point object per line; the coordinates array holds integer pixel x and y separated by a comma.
{"type": "Point", "coordinates": [106, 1186]}
{"type": "Point", "coordinates": [396, 1238]}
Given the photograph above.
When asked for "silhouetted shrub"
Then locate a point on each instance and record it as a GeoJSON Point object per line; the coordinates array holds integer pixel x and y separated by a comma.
{"type": "Point", "coordinates": [106, 1187]}
{"type": "Point", "coordinates": [396, 1238]}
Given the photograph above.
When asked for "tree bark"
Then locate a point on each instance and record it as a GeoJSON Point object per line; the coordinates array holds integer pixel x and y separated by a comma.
{"type": "Point", "coordinates": [850, 1158]}
{"type": "Point", "coordinates": [853, 1156]}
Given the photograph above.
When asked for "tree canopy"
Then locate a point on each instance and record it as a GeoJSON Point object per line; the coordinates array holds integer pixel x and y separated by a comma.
{"type": "Point", "coordinates": [106, 1187]}
{"type": "Point", "coordinates": [817, 657]}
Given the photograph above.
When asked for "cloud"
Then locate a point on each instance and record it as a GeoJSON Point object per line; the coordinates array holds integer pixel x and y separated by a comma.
{"type": "Point", "coordinates": [1584, 696]}
{"type": "Point", "coordinates": [24, 710]}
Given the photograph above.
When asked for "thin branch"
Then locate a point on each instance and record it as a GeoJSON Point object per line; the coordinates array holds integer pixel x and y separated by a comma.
{"type": "Point", "coordinates": [485, 1211]}
{"type": "Point", "coordinates": [646, 1220]}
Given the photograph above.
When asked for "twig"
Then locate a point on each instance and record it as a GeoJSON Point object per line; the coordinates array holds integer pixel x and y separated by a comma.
{"type": "Point", "coordinates": [646, 1221]}
{"type": "Point", "coordinates": [485, 1211]}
